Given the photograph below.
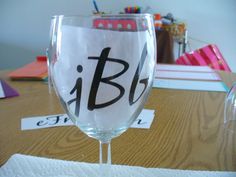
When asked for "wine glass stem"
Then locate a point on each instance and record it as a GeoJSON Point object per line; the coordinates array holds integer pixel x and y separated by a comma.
{"type": "Point", "coordinates": [105, 152]}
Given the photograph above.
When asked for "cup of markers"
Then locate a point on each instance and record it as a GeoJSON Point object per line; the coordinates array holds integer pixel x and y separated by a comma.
{"type": "Point", "coordinates": [135, 9]}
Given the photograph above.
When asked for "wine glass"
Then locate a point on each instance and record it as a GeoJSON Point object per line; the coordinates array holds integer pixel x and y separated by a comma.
{"type": "Point", "coordinates": [102, 70]}
{"type": "Point", "coordinates": [230, 110]}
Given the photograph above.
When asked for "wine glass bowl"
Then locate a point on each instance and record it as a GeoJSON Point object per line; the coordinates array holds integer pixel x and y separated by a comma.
{"type": "Point", "coordinates": [230, 110]}
{"type": "Point", "coordinates": [102, 69]}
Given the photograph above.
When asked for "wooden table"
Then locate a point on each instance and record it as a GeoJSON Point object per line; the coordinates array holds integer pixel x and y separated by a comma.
{"type": "Point", "coordinates": [187, 132]}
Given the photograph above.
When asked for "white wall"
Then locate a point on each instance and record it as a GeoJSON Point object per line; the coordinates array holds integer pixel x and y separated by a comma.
{"type": "Point", "coordinates": [24, 25]}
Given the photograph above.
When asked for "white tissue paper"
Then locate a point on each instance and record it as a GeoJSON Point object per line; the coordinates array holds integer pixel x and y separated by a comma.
{"type": "Point", "coordinates": [29, 166]}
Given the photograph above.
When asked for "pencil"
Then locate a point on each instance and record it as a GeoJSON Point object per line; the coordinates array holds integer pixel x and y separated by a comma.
{"type": "Point", "coordinates": [95, 6]}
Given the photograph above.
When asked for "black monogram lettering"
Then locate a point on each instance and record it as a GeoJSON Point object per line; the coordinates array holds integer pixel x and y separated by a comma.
{"type": "Point", "coordinates": [97, 79]}
{"type": "Point", "coordinates": [78, 89]}
{"type": "Point", "coordinates": [136, 78]}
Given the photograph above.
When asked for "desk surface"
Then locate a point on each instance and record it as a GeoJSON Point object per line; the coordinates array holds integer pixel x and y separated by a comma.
{"type": "Point", "coordinates": [187, 132]}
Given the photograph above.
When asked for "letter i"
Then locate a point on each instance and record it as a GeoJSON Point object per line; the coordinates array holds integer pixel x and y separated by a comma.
{"type": "Point", "coordinates": [78, 89]}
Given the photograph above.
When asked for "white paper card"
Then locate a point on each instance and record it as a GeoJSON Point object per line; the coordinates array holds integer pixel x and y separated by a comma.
{"type": "Point", "coordinates": [187, 75]}
{"type": "Point", "coordinates": [2, 95]}
{"type": "Point", "coordinates": [190, 85]}
{"type": "Point", "coordinates": [183, 68]}
{"type": "Point", "coordinates": [144, 120]}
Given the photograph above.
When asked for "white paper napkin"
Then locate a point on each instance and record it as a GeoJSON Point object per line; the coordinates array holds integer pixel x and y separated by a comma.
{"type": "Point", "coordinates": [29, 166]}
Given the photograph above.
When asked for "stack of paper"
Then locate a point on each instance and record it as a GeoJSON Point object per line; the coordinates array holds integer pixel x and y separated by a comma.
{"type": "Point", "coordinates": [36, 70]}
{"type": "Point", "coordinates": [185, 77]}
